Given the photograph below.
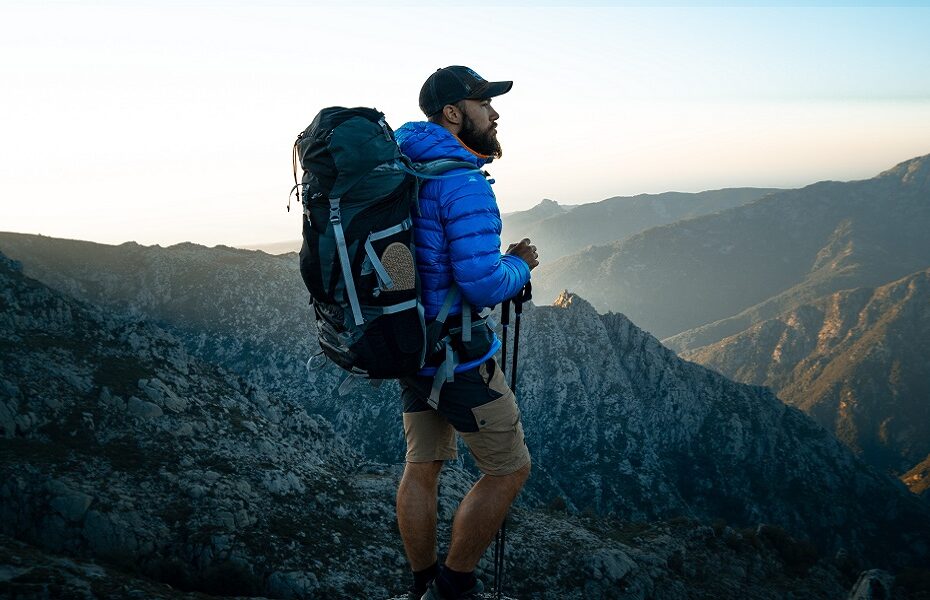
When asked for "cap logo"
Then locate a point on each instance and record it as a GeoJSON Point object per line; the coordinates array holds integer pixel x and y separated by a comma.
{"type": "Point", "coordinates": [475, 75]}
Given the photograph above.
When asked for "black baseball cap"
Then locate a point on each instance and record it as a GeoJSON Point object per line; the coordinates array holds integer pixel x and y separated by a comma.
{"type": "Point", "coordinates": [449, 85]}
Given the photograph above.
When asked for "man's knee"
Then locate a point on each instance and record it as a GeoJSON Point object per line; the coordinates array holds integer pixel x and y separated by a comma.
{"type": "Point", "coordinates": [515, 479]}
{"type": "Point", "coordinates": [424, 473]}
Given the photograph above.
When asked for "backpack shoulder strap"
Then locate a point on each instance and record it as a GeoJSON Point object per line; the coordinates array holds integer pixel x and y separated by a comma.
{"type": "Point", "coordinates": [435, 169]}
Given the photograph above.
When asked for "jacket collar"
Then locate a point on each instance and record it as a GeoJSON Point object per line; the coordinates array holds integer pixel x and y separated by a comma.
{"type": "Point", "coordinates": [422, 141]}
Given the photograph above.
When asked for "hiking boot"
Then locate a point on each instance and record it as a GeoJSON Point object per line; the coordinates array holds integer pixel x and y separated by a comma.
{"type": "Point", "coordinates": [413, 594]}
{"type": "Point", "coordinates": [433, 592]}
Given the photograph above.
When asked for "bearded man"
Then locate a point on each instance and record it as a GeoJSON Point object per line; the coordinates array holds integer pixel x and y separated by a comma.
{"type": "Point", "coordinates": [457, 235]}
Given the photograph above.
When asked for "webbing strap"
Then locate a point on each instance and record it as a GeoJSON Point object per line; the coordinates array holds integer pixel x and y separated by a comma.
{"type": "Point", "coordinates": [445, 372]}
{"type": "Point", "coordinates": [489, 319]}
{"type": "Point", "coordinates": [402, 226]}
{"type": "Point", "coordinates": [435, 328]}
{"type": "Point", "coordinates": [383, 278]}
{"type": "Point", "coordinates": [466, 321]}
{"type": "Point", "coordinates": [451, 296]}
{"type": "Point", "coordinates": [452, 359]}
{"type": "Point", "coordinates": [396, 308]}
{"type": "Point", "coordinates": [336, 220]}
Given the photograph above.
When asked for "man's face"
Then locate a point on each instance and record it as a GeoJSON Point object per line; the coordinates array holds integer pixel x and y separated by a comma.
{"type": "Point", "coordinates": [479, 127]}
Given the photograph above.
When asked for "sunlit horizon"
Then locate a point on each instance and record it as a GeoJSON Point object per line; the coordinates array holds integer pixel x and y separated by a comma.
{"type": "Point", "coordinates": [164, 124]}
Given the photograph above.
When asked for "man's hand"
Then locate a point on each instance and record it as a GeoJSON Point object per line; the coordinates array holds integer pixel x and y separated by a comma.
{"type": "Point", "coordinates": [526, 251]}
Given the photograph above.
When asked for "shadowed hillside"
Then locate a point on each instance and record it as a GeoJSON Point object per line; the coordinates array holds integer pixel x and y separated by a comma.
{"type": "Point", "coordinates": [856, 361]}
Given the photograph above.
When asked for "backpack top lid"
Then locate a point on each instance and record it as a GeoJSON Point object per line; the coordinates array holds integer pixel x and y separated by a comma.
{"type": "Point", "coordinates": [350, 150]}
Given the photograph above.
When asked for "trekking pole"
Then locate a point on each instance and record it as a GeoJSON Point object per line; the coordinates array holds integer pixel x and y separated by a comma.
{"type": "Point", "coordinates": [499, 536]}
{"type": "Point", "coordinates": [525, 295]}
{"type": "Point", "coordinates": [505, 323]}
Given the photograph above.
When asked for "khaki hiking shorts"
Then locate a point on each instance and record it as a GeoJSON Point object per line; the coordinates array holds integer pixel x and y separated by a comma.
{"type": "Point", "coordinates": [480, 406]}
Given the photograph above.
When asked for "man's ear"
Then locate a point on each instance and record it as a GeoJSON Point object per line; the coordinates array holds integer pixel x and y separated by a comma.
{"type": "Point", "coordinates": [452, 114]}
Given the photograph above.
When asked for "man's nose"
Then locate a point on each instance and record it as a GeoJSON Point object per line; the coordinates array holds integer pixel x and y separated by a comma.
{"type": "Point", "coordinates": [494, 116]}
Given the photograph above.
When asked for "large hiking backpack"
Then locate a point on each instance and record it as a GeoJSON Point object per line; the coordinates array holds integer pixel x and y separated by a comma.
{"type": "Point", "coordinates": [358, 258]}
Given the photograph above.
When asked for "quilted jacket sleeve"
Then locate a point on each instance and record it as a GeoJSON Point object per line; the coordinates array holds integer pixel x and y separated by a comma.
{"type": "Point", "coordinates": [472, 225]}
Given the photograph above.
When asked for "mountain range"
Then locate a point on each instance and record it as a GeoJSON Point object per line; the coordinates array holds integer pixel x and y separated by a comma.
{"type": "Point", "coordinates": [703, 279]}
{"type": "Point", "coordinates": [559, 231]}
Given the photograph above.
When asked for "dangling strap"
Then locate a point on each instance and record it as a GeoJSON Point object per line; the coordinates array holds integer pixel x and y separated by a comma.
{"type": "Point", "coordinates": [348, 384]}
{"type": "Point", "coordinates": [336, 220]}
{"type": "Point", "coordinates": [444, 373]}
{"type": "Point", "coordinates": [466, 321]}
{"type": "Point", "coordinates": [315, 362]}
{"type": "Point", "coordinates": [435, 328]}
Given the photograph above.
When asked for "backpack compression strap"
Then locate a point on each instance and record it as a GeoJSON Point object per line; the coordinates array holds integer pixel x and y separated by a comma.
{"type": "Point", "coordinates": [335, 218]}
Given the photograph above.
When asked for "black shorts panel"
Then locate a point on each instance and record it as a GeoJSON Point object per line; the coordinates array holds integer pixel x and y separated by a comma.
{"type": "Point", "coordinates": [468, 390]}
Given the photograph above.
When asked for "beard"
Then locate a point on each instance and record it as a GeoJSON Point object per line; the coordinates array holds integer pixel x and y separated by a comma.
{"type": "Point", "coordinates": [483, 142]}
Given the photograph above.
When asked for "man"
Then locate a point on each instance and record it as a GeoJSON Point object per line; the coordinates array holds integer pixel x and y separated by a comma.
{"type": "Point", "coordinates": [457, 235]}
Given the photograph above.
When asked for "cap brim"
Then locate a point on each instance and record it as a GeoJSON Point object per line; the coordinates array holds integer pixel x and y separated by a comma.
{"type": "Point", "coordinates": [492, 89]}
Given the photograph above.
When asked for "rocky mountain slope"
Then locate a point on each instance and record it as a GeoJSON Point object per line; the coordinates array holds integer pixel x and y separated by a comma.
{"type": "Point", "coordinates": [558, 231]}
{"type": "Point", "coordinates": [651, 435]}
{"type": "Point", "coordinates": [856, 361]}
{"type": "Point", "coordinates": [752, 262]}
{"type": "Point", "coordinates": [132, 469]}
{"type": "Point", "coordinates": [119, 446]}
{"type": "Point", "coordinates": [618, 425]}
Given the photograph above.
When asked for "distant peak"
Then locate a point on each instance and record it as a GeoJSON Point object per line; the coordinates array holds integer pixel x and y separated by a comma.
{"type": "Point", "coordinates": [564, 300]}
{"type": "Point", "coordinates": [915, 171]}
{"type": "Point", "coordinates": [567, 299]}
{"type": "Point", "coordinates": [548, 207]}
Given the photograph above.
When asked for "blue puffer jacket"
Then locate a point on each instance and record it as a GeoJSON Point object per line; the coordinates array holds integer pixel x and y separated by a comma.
{"type": "Point", "coordinates": [457, 232]}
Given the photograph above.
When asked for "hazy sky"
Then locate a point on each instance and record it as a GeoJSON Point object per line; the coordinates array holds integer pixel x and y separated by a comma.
{"type": "Point", "coordinates": [164, 122]}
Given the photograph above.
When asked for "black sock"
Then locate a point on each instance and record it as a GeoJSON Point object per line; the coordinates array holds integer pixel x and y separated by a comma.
{"type": "Point", "coordinates": [422, 579]}
{"type": "Point", "coordinates": [453, 583]}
